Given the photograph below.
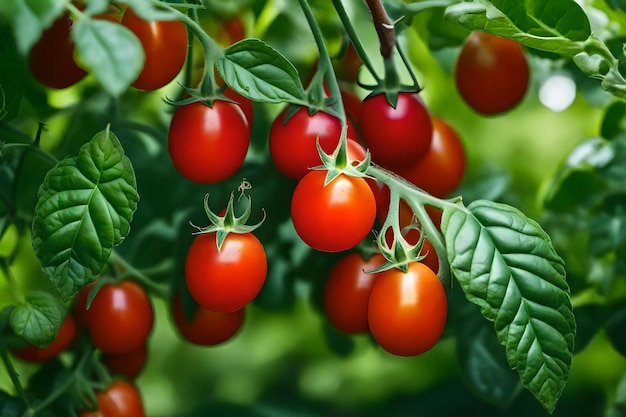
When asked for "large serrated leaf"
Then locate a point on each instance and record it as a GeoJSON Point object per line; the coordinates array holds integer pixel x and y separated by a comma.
{"type": "Point", "coordinates": [558, 26]}
{"type": "Point", "coordinates": [257, 71]}
{"type": "Point", "coordinates": [84, 210]}
{"type": "Point", "coordinates": [506, 264]}
{"type": "Point", "coordinates": [110, 51]}
{"type": "Point", "coordinates": [38, 319]}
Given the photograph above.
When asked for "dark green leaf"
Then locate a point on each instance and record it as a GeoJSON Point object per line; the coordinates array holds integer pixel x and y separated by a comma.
{"type": "Point", "coordinates": [614, 120]}
{"type": "Point", "coordinates": [506, 264]}
{"type": "Point", "coordinates": [615, 328]}
{"type": "Point", "coordinates": [110, 51]}
{"type": "Point", "coordinates": [84, 210]}
{"type": "Point", "coordinates": [10, 76]}
{"type": "Point", "coordinates": [559, 26]}
{"type": "Point", "coordinates": [38, 319]}
{"type": "Point", "coordinates": [341, 344]}
{"type": "Point", "coordinates": [483, 364]}
{"type": "Point", "coordinates": [29, 18]}
{"type": "Point", "coordinates": [257, 71]}
{"type": "Point", "coordinates": [617, 4]}
{"type": "Point", "coordinates": [10, 406]}
{"type": "Point", "coordinates": [589, 321]}
{"type": "Point", "coordinates": [607, 227]}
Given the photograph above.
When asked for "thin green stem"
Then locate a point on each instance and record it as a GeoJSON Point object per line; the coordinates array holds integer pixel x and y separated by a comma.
{"type": "Point", "coordinates": [407, 65]}
{"type": "Point", "coordinates": [161, 290]}
{"type": "Point", "coordinates": [37, 149]}
{"type": "Point", "coordinates": [13, 375]}
{"type": "Point", "coordinates": [355, 39]}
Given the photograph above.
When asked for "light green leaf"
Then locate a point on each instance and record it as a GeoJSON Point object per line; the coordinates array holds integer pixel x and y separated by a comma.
{"type": "Point", "coordinates": [257, 71]}
{"type": "Point", "coordinates": [84, 210]}
{"type": "Point", "coordinates": [507, 265]}
{"type": "Point", "coordinates": [38, 319]}
{"type": "Point", "coordinates": [110, 51]}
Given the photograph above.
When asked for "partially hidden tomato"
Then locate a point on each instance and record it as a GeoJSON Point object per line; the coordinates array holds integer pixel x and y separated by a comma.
{"type": "Point", "coordinates": [332, 217]}
{"type": "Point", "coordinates": [206, 327]}
{"type": "Point", "coordinates": [293, 143]}
{"type": "Point", "coordinates": [347, 66]}
{"type": "Point", "coordinates": [208, 144]}
{"type": "Point", "coordinates": [395, 136]}
{"type": "Point", "coordinates": [227, 279]}
{"type": "Point", "coordinates": [441, 170]}
{"type": "Point", "coordinates": [491, 73]}
{"type": "Point", "coordinates": [347, 292]}
{"type": "Point", "coordinates": [407, 311]}
{"type": "Point", "coordinates": [120, 399]}
{"type": "Point", "coordinates": [129, 364]}
{"type": "Point", "coordinates": [120, 317]}
{"type": "Point", "coordinates": [64, 338]}
{"type": "Point", "coordinates": [165, 47]}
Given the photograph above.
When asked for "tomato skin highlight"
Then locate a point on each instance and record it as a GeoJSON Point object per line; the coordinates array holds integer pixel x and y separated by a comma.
{"type": "Point", "coordinates": [491, 73]}
{"type": "Point", "coordinates": [347, 292]}
{"type": "Point", "coordinates": [335, 217]}
{"type": "Point", "coordinates": [64, 338]}
{"type": "Point", "coordinates": [226, 280]}
{"type": "Point", "coordinates": [120, 318]}
{"type": "Point", "coordinates": [441, 170]}
{"type": "Point", "coordinates": [407, 311]}
{"type": "Point", "coordinates": [293, 144]}
{"type": "Point", "coordinates": [208, 144]}
{"type": "Point", "coordinates": [207, 328]}
{"type": "Point", "coordinates": [396, 137]}
{"type": "Point", "coordinates": [165, 48]}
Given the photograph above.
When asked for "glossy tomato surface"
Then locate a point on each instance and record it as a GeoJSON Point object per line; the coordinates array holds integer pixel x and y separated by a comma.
{"type": "Point", "coordinates": [207, 328]}
{"type": "Point", "coordinates": [123, 399]}
{"type": "Point", "coordinates": [228, 279]}
{"type": "Point", "coordinates": [208, 144]}
{"type": "Point", "coordinates": [120, 317]}
{"type": "Point", "coordinates": [441, 170]}
{"type": "Point", "coordinates": [293, 144]}
{"type": "Point", "coordinates": [333, 217]}
{"type": "Point", "coordinates": [491, 73]}
{"type": "Point", "coordinates": [165, 47]}
{"type": "Point", "coordinates": [407, 311]}
{"type": "Point", "coordinates": [395, 136]}
{"type": "Point", "coordinates": [64, 338]}
{"type": "Point", "coordinates": [347, 292]}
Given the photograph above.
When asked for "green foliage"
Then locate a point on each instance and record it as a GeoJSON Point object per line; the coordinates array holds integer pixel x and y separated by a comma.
{"type": "Point", "coordinates": [38, 318]}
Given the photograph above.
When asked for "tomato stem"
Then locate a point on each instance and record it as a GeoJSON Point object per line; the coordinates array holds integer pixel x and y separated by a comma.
{"type": "Point", "coordinates": [130, 272]}
{"type": "Point", "coordinates": [16, 295]}
{"type": "Point", "coordinates": [383, 26]}
{"type": "Point", "coordinates": [13, 375]}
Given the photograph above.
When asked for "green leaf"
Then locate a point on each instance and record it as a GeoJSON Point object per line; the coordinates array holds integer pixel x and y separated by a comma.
{"type": "Point", "coordinates": [10, 406]}
{"type": "Point", "coordinates": [483, 364]}
{"type": "Point", "coordinates": [147, 10]}
{"type": "Point", "coordinates": [110, 51]}
{"type": "Point", "coordinates": [614, 122]}
{"type": "Point", "coordinates": [257, 71]}
{"type": "Point", "coordinates": [29, 18]}
{"type": "Point", "coordinates": [559, 26]}
{"type": "Point", "coordinates": [84, 210]}
{"type": "Point", "coordinates": [10, 76]}
{"type": "Point", "coordinates": [38, 319]}
{"type": "Point", "coordinates": [506, 264]}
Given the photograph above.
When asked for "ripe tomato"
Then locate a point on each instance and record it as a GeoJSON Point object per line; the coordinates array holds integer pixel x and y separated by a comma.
{"type": "Point", "coordinates": [396, 137]}
{"type": "Point", "coordinates": [64, 338]}
{"type": "Point", "coordinates": [335, 217]}
{"type": "Point", "coordinates": [120, 399]}
{"type": "Point", "coordinates": [348, 65]}
{"type": "Point", "coordinates": [208, 144]}
{"type": "Point", "coordinates": [491, 73]}
{"type": "Point", "coordinates": [407, 311]}
{"type": "Point", "coordinates": [347, 292]}
{"type": "Point", "coordinates": [79, 308]}
{"type": "Point", "coordinates": [165, 47]}
{"type": "Point", "coordinates": [129, 365]}
{"type": "Point", "coordinates": [120, 318]}
{"type": "Point", "coordinates": [293, 144]}
{"type": "Point", "coordinates": [441, 170]}
{"type": "Point", "coordinates": [207, 328]}
{"type": "Point", "coordinates": [51, 59]}
{"type": "Point", "coordinates": [225, 280]}
{"type": "Point", "coordinates": [244, 103]}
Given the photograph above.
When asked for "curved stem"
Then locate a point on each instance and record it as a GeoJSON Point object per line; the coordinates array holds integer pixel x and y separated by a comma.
{"type": "Point", "coordinates": [15, 380]}
{"type": "Point", "coordinates": [383, 26]}
{"type": "Point", "coordinates": [131, 272]}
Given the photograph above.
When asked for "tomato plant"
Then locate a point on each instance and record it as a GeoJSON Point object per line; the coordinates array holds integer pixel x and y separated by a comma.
{"type": "Point", "coordinates": [62, 341]}
{"type": "Point", "coordinates": [407, 311]}
{"type": "Point", "coordinates": [120, 399]}
{"type": "Point", "coordinates": [128, 364]}
{"type": "Point", "coordinates": [491, 73]}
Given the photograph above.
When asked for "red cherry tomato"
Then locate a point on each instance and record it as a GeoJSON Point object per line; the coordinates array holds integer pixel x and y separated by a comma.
{"type": "Point", "coordinates": [165, 47]}
{"type": "Point", "coordinates": [79, 308]}
{"type": "Point", "coordinates": [64, 338]}
{"type": "Point", "coordinates": [128, 365]}
{"type": "Point", "coordinates": [51, 59]}
{"type": "Point", "coordinates": [208, 144]}
{"type": "Point", "coordinates": [491, 73]}
{"type": "Point", "coordinates": [293, 144]}
{"type": "Point", "coordinates": [347, 292]}
{"type": "Point", "coordinates": [407, 311]}
{"type": "Point", "coordinates": [396, 137]}
{"type": "Point", "coordinates": [335, 217]}
{"type": "Point", "coordinates": [441, 170]}
{"type": "Point", "coordinates": [228, 279]}
{"type": "Point", "coordinates": [120, 318]}
{"type": "Point", "coordinates": [120, 399]}
{"type": "Point", "coordinates": [348, 65]}
{"type": "Point", "coordinates": [244, 103]}
{"type": "Point", "coordinates": [207, 328]}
